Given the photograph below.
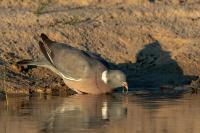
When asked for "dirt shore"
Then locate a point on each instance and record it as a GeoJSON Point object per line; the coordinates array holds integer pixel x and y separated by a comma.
{"type": "Point", "coordinates": [155, 43]}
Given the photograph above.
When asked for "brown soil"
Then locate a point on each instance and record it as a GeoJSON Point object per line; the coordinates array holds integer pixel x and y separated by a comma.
{"type": "Point", "coordinates": [155, 43]}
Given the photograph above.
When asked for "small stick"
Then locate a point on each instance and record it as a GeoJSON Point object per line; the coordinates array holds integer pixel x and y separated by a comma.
{"type": "Point", "coordinates": [4, 84]}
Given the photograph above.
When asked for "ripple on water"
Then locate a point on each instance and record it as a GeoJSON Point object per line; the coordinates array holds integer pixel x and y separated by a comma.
{"type": "Point", "coordinates": [135, 112]}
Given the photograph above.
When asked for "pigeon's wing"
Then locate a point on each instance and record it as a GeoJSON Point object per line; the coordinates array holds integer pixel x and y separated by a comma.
{"type": "Point", "coordinates": [72, 63]}
{"type": "Point", "coordinates": [108, 65]}
{"type": "Point", "coordinates": [97, 57]}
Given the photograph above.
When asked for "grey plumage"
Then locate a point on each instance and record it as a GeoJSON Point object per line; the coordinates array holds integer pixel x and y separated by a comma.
{"type": "Point", "coordinates": [80, 70]}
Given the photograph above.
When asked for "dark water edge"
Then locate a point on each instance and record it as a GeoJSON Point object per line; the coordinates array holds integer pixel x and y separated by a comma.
{"type": "Point", "coordinates": [136, 112]}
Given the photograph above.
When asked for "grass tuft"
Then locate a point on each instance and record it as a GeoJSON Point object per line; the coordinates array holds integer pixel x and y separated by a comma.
{"type": "Point", "coordinates": [42, 7]}
{"type": "Point", "coordinates": [3, 90]}
{"type": "Point", "coordinates": [4, 84]}
{"type": "Point", "coordinates": [40, 10]}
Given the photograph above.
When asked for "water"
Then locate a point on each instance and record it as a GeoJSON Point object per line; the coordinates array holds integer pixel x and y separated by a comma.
{"type": "Point", "coordinates": [116, 113]}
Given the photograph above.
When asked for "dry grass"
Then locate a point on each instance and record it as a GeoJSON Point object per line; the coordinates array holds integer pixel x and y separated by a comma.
{"type": "Point", "coordinates": [3, 90]}
{"type": "Point", "coordinates": [42, 7]}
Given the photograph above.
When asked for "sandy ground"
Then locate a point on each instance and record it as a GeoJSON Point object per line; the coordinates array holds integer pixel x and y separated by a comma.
{"type": "Point", "coordinates": [155, 43]}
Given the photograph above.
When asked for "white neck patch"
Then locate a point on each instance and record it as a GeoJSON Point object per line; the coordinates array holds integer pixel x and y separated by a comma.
{"type": "Point", "coordinates": [104, 76]}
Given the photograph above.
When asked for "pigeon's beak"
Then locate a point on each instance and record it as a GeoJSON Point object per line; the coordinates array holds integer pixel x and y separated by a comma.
{"type": "Point", "coordinates": [125, 86]}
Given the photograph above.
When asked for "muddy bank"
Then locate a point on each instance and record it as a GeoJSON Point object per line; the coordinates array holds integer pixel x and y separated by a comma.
{"type": "Point", "coordinates": [155, 43]}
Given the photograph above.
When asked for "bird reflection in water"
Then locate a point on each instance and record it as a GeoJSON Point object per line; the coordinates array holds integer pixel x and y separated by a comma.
{"type": "Point", "coordinates": [86, 112]}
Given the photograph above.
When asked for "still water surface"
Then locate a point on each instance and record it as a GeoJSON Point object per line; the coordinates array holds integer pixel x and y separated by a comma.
{"type": "Point", "coordinates": [116, 113]}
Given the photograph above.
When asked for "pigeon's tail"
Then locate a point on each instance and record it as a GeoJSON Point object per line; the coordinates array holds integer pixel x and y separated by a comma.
{"type": "Point", "coordinates": [46, 52]}
{"type": "Point", "coordinates": [45, 39]}
{"type": "Point", "coordinates": [31, 63]}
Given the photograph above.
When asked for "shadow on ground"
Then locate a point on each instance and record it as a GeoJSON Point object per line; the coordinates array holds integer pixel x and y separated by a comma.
{"type": "Point", "coordinates": [153, 68]}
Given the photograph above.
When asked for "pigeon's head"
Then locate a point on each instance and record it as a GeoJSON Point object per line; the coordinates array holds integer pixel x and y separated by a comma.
{"type": "Point", "coordinates": [115, 78]}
